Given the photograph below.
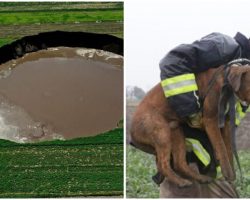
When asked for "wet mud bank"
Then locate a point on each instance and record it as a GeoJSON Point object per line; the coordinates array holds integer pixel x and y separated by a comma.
{"type": "Point", "coordinates": [60, 92]}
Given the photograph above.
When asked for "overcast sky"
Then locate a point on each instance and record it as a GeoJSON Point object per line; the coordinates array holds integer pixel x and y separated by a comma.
{"type": "Point", "coordinates": [153, 29]}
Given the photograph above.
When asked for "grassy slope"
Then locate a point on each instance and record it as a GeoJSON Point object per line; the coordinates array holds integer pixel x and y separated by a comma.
{"type": "Point", "coordinates": [4, 41]}
{"type": "Point", "coordinates": [141, 167]}
{"type": "Point", "coordinates": [57, 13]}
{"type": "Point", "coordinates": [19, 18]}
{"type": "Point", "coordinates": [78, 167]}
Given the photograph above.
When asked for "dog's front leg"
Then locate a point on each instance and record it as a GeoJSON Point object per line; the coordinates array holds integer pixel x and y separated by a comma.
{"type": "Point", "coordinates": [227, 138]}
{"type": "Point", "coordinates": [215, 137]}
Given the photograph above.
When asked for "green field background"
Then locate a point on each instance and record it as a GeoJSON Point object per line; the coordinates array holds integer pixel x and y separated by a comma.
{"type": "Point", "coordinates": [141, 167]}
{"type": "Point", "coordinates": [90, 166]}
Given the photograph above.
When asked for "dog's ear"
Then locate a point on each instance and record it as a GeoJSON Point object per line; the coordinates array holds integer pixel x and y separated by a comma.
{"type": "Point", "coordinates": [235, 75]}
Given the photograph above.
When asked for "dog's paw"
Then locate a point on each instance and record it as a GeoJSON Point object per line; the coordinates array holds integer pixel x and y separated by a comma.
{"type": "Point", "coordinates": [205, 179]}
{"type": "Point", "coordinates": [229, 174]}
{"type": "Point", "coordinates": [158, 178]}
{"type": "Point", "coordinates": [185, 183]}
{"type": "Point", "coordinates": [230, 177]}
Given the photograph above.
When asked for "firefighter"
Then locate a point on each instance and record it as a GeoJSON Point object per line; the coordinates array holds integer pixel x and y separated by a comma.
{"type": "Point", "coordinates": [180, 64]}
{"type": "Point", "coordinates": [178, 82]}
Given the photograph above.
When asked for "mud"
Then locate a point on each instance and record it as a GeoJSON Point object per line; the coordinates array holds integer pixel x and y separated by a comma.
{"type": "Point", "coordinates": [60, 93]}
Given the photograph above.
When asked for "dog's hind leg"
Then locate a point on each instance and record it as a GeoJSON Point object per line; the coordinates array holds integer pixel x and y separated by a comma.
{"type": "Point", "coordinates": [164, 167]}
{"type": "Point", "coordinates": [163, 153]}
{"type": "Point", "coordinates": [151, 133]}
{"type": "Point", "coordinates": [179, 157]}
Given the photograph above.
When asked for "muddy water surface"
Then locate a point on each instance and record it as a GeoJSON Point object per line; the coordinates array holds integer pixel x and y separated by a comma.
{"type": "Point", "coordinates": [60, 93]}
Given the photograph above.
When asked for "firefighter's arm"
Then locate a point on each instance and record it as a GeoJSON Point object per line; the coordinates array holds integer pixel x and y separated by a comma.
{"type": "Point", "coordinates": [214, 50]}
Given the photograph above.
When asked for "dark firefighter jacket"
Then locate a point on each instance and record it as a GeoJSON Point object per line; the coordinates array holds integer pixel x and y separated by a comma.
{"type": "Point", "coordinates": [180, 64]}
{"type": "Point", "coordinates": [212, 50]}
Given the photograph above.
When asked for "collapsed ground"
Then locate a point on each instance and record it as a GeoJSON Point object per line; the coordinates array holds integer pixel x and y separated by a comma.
{"type": "Point", "coordinates": [80, 167]}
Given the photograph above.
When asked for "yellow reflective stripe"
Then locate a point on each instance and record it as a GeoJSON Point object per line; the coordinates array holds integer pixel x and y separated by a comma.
{"type": "Point", "coordinates": [242, 114]}
{"type": "Point", "coordinates": [237, 121]}
{"type": "Point", "coordinates": [179, 84]}
{"type": "Point", "coordinates": [218, 172]}
{"type": "Point", "coordinates": [199, 151]}
{"type": "Point", "coordinates": [202, 154]}
{"type": "Point", "coordinates": [239, 110]}
{"type": "Point", "coordinates": [248, 109]}
{"type": "Point", "coordinates": [177, 79]}
{"type": "Point", "coordinates": [181, 90]}
{"type": "Point", "coordinates": [239, 113]}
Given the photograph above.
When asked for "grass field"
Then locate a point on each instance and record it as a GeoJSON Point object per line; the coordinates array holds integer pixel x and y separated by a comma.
{"type": "Point", "coordinates": [89, 166]}
{"type": "Point", "coordinates": [22, 19]}
{"type": "Point", "coordinates": [60, 16]}
{"type": "Point", "coordinates": [4, 41]}
{"type": "Point", "coordinates": [141, 167]}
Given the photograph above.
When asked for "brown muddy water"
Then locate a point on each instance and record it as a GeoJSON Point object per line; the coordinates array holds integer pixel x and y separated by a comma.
{"type": "Point", "coordinates": [60, 93]}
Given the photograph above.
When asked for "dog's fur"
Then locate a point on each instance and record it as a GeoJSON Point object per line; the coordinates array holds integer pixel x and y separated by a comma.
{"type": "Point", "coordinates": [156, 128]}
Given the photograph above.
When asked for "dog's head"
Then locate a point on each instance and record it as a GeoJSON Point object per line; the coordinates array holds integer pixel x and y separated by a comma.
{"type": "Point", "coordinates": [239, 79]}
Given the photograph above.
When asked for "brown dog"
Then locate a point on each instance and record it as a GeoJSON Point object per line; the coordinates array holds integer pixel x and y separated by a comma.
{"type": "Point", "coordinates": [156, 128]}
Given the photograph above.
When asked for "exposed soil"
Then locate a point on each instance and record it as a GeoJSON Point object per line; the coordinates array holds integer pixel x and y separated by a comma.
{"type": "Point", "coordinates": [17, 31]}
{"type": "Point", "coordinates": [61, 92]}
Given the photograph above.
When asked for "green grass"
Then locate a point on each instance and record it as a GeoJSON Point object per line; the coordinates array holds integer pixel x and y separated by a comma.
{"type": "Point", "coordinates": [21, 18]}
{"type": "Point", "coordinates": [89, 166]}
{"type": "Point", "coordinates": [244, 187]}
{"type": "Point", "coordinates": [139, 170]}
{"type": "Point", "coordinates": [4, 41]}
{"type": "Point", "coordinates": [141, 167]}
{"type": "Point", "coordinates": [18, 19]}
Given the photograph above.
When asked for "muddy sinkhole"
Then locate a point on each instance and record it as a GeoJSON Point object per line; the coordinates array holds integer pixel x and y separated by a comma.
{"type": "Point", "coordinates": [60, 93]}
